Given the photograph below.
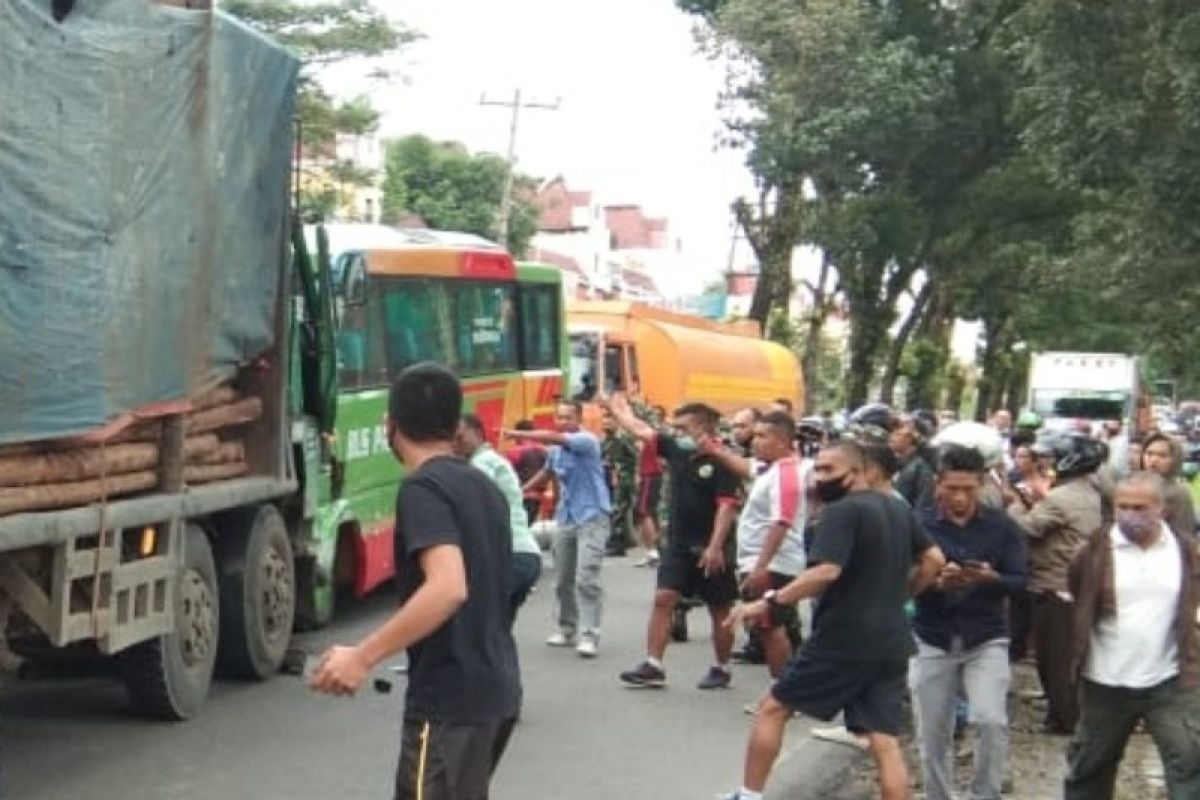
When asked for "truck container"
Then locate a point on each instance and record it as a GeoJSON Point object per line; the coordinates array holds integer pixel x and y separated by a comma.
{"type": "Point", "coordinates": [159, 389]}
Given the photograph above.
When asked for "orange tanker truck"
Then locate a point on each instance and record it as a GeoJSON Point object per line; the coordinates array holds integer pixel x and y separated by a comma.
{"type": "Point", "coordinates": [674, 358]}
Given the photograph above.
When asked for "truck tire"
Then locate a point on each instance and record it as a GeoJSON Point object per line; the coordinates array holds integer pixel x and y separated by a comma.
{"type": "Point", "coordinates": [168, 677]}
{"type": "Point", "coordinates": [258, 591]}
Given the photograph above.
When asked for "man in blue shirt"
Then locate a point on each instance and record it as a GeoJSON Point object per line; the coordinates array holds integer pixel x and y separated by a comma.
{"type": "Point", "coordinates": [962, 628]}
{"type": "Point", "coordinates": [577, 464]}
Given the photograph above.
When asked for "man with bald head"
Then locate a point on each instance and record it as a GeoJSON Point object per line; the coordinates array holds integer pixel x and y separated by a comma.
{"type": "Point", "coordinates": [1136, 585]}
{"type": "Point", "coordinates": [741, 426]}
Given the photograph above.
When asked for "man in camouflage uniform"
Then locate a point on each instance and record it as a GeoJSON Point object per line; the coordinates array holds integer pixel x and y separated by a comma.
{"type": "Point", "coordinates": [621, 468]}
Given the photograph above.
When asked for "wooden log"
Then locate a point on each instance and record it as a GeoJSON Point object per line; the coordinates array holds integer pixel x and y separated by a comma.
{"type": "Point", "coordinates": [223, 453]}
{"type": "Point", "coordinates": [200, 446]}
{"type": "Point", "coordinates": [220, 417]}
{"type": "Point", "coordinates": [217, 396]}
{"type": "Point", "coordinates": [71, 466]}
{"type": "Point", "coordinates": [79, 493]}
{"type": "Point", "coordinates": [207, 473]}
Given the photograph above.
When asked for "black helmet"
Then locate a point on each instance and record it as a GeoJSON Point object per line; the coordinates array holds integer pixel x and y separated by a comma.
{"type": "Point", "coordinates": [877, 414]}
{"type": "Point", "coordinates": [926, 422]}
{"type": "Point", "coordinates": [871, 423]}
{"type": "Point", "coordinates": [812, 427]}
{"type": "Point", "coordinates": [1074, 454]}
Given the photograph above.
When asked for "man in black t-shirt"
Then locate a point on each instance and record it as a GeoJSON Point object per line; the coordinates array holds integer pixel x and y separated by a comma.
{"type": "Point", "coordinates": [869, 556]}
{"type": "Point", "coordinates": [453, 548]}
{"type": "Point", "coordinates": [698, 558]}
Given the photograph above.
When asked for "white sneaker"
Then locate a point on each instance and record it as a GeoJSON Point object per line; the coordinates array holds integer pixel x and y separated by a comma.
{"type": "Point", "coordinates": [587, 646]}
{"type": "Point", "coordinates": [560, 639]}
{"type": "Point", "coordinates": [840, 736]}
{"type": "Point", "coordinates": [650, 559]}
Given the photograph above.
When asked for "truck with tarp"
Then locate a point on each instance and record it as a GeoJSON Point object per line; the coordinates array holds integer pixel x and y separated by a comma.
{"type": "Point", "coordinates": [164, 371]}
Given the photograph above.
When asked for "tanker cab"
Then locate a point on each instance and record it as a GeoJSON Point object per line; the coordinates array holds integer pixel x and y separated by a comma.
{"type": "Point", "coordinates": [602, 361]}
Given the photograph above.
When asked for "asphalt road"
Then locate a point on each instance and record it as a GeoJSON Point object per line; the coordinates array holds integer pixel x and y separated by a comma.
{"type": "Point", "coordinates": [582, 735]}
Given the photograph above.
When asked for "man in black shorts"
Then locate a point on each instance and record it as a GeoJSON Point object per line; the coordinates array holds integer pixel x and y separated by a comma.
{"type": "Point", "coordinates": [869, 556]}
{"type": "Point", "coordinates": [452, 532]}
{"type": "Point", "coordinates": [697, 561]}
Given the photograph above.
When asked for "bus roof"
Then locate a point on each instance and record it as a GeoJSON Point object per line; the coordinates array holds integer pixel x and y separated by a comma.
{"type": "Point", "coordinates": [442, 261]}
{"type": "Point", "coordinates": [534, 272]}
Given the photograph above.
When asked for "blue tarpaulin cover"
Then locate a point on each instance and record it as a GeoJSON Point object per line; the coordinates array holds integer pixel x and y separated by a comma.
{"type": "Point", "coordinates": [144, 169]}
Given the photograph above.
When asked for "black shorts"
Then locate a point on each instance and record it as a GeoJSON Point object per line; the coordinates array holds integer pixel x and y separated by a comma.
{"type": "Point", "coordinates": [440, 761]}
{"type": "Point", "coordinates": [649, 497]}
{"type": "Point", "coordinates": [679, 571]}
{"type": "Point", "coordinates": [777, 616]}
{"type": "Point", "coordinates": [870, 693]}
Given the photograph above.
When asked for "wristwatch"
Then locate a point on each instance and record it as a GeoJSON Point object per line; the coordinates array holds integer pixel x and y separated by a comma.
{"type": "Point", "coordinates": [770, 596]}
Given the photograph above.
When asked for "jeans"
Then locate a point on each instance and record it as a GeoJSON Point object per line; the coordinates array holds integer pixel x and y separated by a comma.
{"type": "Point", "coordinates": [578, 555]}
{"type": "Point", "coordinates": [937, 678]}
{"type": "Point", "coordinates": [1109, 715]}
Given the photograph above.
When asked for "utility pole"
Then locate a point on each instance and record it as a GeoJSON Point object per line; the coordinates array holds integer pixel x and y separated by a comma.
{"type": "Point", "coordinates": [515, 105]}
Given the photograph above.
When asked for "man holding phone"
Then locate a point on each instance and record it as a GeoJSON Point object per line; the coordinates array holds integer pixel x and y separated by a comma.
{"type": "Point", "coordinates": [962, 630]}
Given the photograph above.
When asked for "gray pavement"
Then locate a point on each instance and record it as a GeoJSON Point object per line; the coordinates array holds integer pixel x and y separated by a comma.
{"type": "Point", "coordinates": [582, 735]}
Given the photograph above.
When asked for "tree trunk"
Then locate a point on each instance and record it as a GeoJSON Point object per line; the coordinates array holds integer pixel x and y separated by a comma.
{"type": "Point", "coordinates": [810, 362]}
{"type": "Point", "coordinates": [867, 332]}
{"type": "Point", "coordinates": [991, 368]}
{"type": "Point", "coordinates": [772, 237]}
{"type": "Point", "coordinates": [891, 369]}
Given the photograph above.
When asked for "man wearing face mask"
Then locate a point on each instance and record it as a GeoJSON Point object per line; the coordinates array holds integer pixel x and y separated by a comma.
{"type": "Point", "coordinates": [697, 561]}
{"type": "Point", "coordinates": [870, 554]}
{"type": "Point", "coordinates": [1137, 586]}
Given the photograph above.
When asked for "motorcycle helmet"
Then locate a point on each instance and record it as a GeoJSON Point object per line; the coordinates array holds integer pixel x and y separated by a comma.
{"type": "Point", "coordinates": [1073, 453]}
{"type": "Point", "coordinates": [1029, 420]}
{"type": "Point", "coordinates": [976, 436]}
{"type": "Point", "coordinates": [871, 423]}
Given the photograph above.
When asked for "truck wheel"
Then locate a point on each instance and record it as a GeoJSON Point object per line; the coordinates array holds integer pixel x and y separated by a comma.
{"type": "Point", "coordinates": [168, 677]}
{"type": "Point", "coordinates": [258, 592]}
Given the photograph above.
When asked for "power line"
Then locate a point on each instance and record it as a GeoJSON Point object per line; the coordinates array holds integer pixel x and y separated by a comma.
{"type": "Point", "coordinates": [515, 105]}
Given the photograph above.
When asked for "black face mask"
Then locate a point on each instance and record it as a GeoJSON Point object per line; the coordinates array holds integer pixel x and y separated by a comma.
{"type": "Point", "coordinates": [832, 490]}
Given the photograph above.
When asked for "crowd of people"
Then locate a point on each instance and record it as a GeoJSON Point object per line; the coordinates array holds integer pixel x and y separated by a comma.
{"type": "Point", "coordinates": [934, 561]}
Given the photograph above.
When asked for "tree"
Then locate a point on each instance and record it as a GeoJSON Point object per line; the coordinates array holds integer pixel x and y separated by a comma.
{"type": "Point", "coordinates": [322, 34]}
{"type": "Point", "coordinates": [452, 189]}
{"type": "Point", "coordinates": [829, 107]}
{"type": "Point", "coordinates": [1111, 105]}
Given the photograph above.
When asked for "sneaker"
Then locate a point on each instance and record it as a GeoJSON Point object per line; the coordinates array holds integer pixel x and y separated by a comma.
{"type": "Point", "coordinates": [644, 674]}
{"type": "Point", "coordinates": [715, 678]}
{"type": "Point", "coordinates": [650, 559]}
{"type": "Point", "coordinates": [560, 639]}
{"type": "Point", "coordinates": [587, 646]}
{"type": "Point", "coordinates": [840, 736]}
{"type": "Point", "coordinates": [750, 709]}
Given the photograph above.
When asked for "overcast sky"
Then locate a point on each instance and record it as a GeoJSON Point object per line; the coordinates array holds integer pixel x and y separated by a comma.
{"type": "Point", "coordinates": [637, 122]}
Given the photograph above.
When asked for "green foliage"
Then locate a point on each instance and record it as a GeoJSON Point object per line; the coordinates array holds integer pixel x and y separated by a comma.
{"type": "Point", "coordinates": [453, 189]}
{"type": "Point", "coordinates": [828, 391]}
{"type": "Point", "coordinates": [321, 34]}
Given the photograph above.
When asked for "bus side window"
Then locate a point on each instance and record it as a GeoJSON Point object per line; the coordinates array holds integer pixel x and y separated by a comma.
{"type": "Point", "coordinates": [416, 318]}
{"type": "Point", "coordinates": [540, 326]}
{"type": "Point", "coordinates": [485, 327]}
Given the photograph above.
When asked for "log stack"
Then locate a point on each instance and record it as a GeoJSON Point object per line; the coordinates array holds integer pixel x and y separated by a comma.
{"type": "Point", "coordinates": [45, 476]}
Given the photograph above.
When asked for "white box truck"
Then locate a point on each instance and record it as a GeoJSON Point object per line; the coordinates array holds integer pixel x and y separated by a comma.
{"type": "Point", "coordinates": [1066, 387]}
